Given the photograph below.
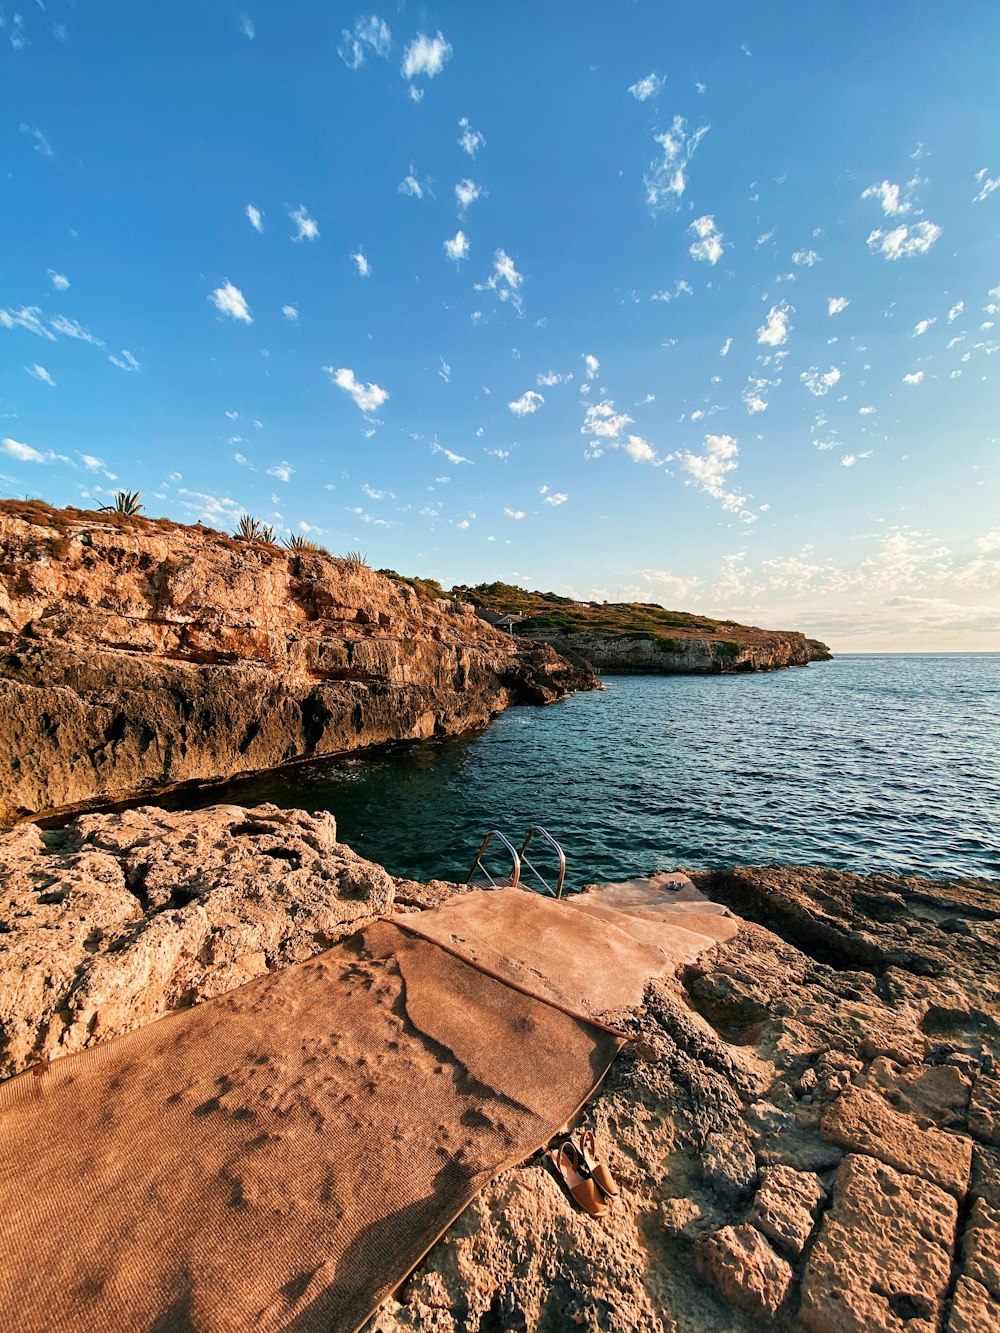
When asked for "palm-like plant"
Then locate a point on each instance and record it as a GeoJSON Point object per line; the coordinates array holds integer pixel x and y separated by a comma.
{"type": "Point", "coordinates": [251, 529]}
{"type": "Point", "coordinates": [297, 542]}
{"type": "Point", "coordinates": [126, 502]}
{"type": "Point", "coordinates": [356, 557]}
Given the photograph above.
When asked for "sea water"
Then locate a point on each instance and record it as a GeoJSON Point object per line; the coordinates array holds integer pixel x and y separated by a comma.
{"type": "Point", "coordinates": [864, 763]}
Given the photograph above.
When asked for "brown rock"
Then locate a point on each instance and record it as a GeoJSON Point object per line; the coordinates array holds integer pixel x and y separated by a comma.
{"type": "Point", "coordinates": [786, 1207]}
{"type": "Point", "coordinates": [138, 654]}
{"type": "Point", "coordinates": [934, 1094]}
{"type": "Point", "coordinates": [985, 1180]}
{"type": "Point", "coordinates": [862, 1121]}
{"type": "Point", "coordinates": [981, 1247]}
{"type": "Point", "coordinates": [973, 1309]}
{"type": "Point", "coordinates": [730, 1167]}
{"type": "Point", "coordinates": [744, 1270]}
{"type": "Point", "coordinates": [882, 1259]}
{"type": "Point", "coordinates": [117, 919]}
{"type": "Point", "coordinates": [984, 1110]}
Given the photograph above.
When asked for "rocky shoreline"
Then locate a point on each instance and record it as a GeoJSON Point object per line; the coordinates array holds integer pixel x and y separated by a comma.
{"type": "Point", "coordinates": [138, 654]}
{"type": "Point", "coordinates": [758, 650]}
{"type": "Point", "coordinates": [806, 1123]}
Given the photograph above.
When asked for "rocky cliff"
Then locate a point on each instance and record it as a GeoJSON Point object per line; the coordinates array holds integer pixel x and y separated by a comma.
{"type": "Point", "coordinates": [139, 654]}
{"type": "Point", "coordinates": [705, 654]}
{"type": "Point", "coordinates": [805, 1125]}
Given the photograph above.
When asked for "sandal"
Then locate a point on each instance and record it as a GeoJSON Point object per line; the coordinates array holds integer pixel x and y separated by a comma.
{"type": "Point", "coordinates": [570, 1168]}
{"type": "Point", "coordinates": [587, 1147]}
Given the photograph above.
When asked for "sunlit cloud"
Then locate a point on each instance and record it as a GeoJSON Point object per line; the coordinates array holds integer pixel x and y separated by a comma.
{"type": "Point", "coordinates": [666, 180]}
{"type": "Point", "coordinates": [362, 265]}
{"type": "Point", "coordinates": [643, 89]}
{"type": "Point", "coordinates": [59, 280]}
{"type": "Point", "coordinates": [987, 184]}
{"type": "Point", "coordinates": [306, 228]}
{"type": "Point", "coordinates": [457, 247]}
{"type": "Point", "coordinates": [369, 397]}
{"type": "Point", "coordinates": [426, 56]}
{"type": "Point", "coordinates": [255, 217]}
{"type": "Point", "coordinates": [126, 361]}
{"type": "Point", "coordinates": [470, 140]}
{"type": "Point", "coordinates": [774, 331]}
{"type": "Point", "coordinates": [836, 304]}
{"type": "Point", "coordinates": [229, 300]}
{"type": "Point", "coordinates": [369, 36]}
{"type": "Point", "coordinates": [527, 403]}
{"type": "Point", "coordinates": [904, 242]}
{"type": "Point", "coordinates": [888, 195]}
{"type": "Point", "coordinates": [710, 471]}
{"type": "Point", "coordinates": [708, 245]}
{"type": "Point", "coordinates": [38, 372]}
{"type": "Point", "coordinates": [819, 383]}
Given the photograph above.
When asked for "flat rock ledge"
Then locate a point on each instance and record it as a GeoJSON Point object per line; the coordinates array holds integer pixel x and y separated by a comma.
{"type": "Point", "coordinates": [805, 1126]}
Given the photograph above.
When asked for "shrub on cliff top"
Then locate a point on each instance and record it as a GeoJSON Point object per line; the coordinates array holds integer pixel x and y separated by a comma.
{"type": "Point", "coordinates": [250, 529]}
{"type": "Point", "coordinates": [126, 502]}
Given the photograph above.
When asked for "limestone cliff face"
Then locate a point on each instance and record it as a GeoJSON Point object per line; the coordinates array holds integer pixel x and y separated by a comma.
{"type": "Point", "coordinates": [754, 650]}
{"type": "Point", "coordinates": [135, 655]}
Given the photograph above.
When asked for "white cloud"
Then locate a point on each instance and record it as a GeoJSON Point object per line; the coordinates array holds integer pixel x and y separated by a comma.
{"type": "Point", "coordinates": [125, 362]}
{"type": "Point", "coordinates": [229, 300]}
{"type": "Point", "coordinates": [639, 450]}
{"type": "Point", "coordinates": [593, 366]}
{"type": "Point", "coordinates": [888, 196]}
{"type": "Point", "coordinates": [866, 411]}
{"type": "Point", "coordinates": [305, 226]}
{"type": "Point", "coordinates": [93, 464]}
{"type": "Point", "coordinates": [708, 246]}
{"type": "Point", "coordinates": [805, 258]}
{"type": "Point", "coordinates": [39, 142]}
{"type": "Point", "coordinates": [59, 280]}
{"type": "Point", "coordinates": [904, 242]}
{"type": "Point", "coordinates": [914, 377]}
{"type": "Point", "coordinates": [527, 403]}
{"type": "Point", "coordinates": [255, 217]}
{"type": "Point", "coordinates": [369, 36]}
{"type": "Point", "coordinates": [849, 460]}
{"type": "Point", "coordinates": [818, 383]}
{"type": "Point", "coordinates": [451, 457]}
{"type": "Point", "coordinates": [666, 181]}
{"type": "Point", "coordinates": [283, 471]}
{"type": "Point", "coordinates": [470, 140]}
{"type": "Point", "coordinates": [924, 325]}
{"type": "Point", "coordinates": [411, 186]}
{"type": "Point", "coordinates": [955, 311]}
{"type": "Point", "coordinates": [363, 266]}
{"type": "Point", "coordinates": [681, 288]}
{"type": "Point", "coordinates": [290, 312]}
{"type": "Point", "coordinates": [709, 471]}
{"type": "Point", "coordinates": [40, 373]}
{"type": "Point", "coordinates": [514, 513]}
{"type": "Point", "coordinates": [724, 349]}
{"type": "Point", "coordinates": [987, 185]}
{"type": "Point", "coordinates": [551, 377]}
{"type": "Point", "coordinates": [556, 498]}
{"type": "Point", "coordinates": [774, 331]}
{"type": "Point", "coordinates": [426, 56]}
{"type": "Point", "coordinates": [602, 420]}
{"type": "Point", "coordinates": [248, 28]}
{"type": "Point", "coordinates": [458, 247]}
{"type": "Point", "coordinates": [414, 93]}
{"type": "Point", "coordinates": [369, 397]}
{"type": "Point", "coordinates": [23, 453]}
{"type": "Point", "coordinates": [505, 279]}
{"type": "Point", "coordinates": [836, 304]}
{"type": "Point", "coordinates": [673, 585]}
{"type": "Point", "coordinates": [466, 192]}
{"type": "Point", "coordinates": [643, 89]}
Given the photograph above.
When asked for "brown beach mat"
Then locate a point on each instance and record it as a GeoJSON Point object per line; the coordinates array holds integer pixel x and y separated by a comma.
{"type": "Point", "coordinates": [280, 1157]}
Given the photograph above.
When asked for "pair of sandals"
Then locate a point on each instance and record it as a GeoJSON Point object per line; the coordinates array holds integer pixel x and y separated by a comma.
{"type": "Point", "coordinates": [587, 1178]}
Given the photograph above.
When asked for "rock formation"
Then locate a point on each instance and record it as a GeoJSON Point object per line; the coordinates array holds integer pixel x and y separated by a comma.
{"type": "Point", "coordinates": [805, 1126]}
{"type": "Point", "coordinates": [139, 654]}
{"type": "Point", "coordinates": [689, 653]}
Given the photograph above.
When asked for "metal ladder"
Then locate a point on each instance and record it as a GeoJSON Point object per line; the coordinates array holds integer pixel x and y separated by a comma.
{"type": "Point", "coordinates": [518, 859]}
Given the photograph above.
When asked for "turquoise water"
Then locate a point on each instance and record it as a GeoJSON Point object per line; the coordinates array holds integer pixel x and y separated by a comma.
{"type": "Point", "coordinates": [865, 763]}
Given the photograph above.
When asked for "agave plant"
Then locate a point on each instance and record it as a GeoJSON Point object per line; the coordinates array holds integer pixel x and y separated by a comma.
{"type": "Point", "coordinates": [252, 530]}
{"type": "Point", "coordinates": [297, 542]}
{"type": "Point", "coordinates": [356, 557]}
{"type": "Point", "coordinates": [126, 502]}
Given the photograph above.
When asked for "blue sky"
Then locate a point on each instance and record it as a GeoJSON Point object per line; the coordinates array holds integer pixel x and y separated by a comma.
{"type": "Point", "coordinates": [647, 302]}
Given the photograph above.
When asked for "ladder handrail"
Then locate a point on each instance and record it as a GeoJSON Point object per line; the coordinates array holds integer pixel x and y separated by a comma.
{"type": "Point", "coordinates": [515, 876]}
{"type": "Point", "coordinates": [537, 828]}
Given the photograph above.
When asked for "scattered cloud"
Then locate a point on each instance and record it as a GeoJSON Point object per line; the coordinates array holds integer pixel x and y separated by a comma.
{"type": "Point", "coordinates": [724, 349]}
{"type": "Point", "coordinates": [666, 180]}
{"type": "Point", "coordinates": [923, 325]}
{"type": "Point", "coordinates": [248, 28]}
{"type": "Point", "coordinates": [955, 311]}
{"type": "Point", "coordinates": [710, 470]}
{"type": "Point", "coordinates": [774, 331]}
{"type": "Point", "coordinates": [59, 280]}
{"type": "Point", "coordinates": [24, 453]}
{"type": "Point", "coordinates": [369, 397]}
{"type": "Point", "coordinates": [290, 312]}
{"type": "Point", "coordinates": [849, 460]}
{"type": "Point", "coordinates": [639, 450]}
{"type": "Point", "coordinates": [229, 300]}
{"type": "Point", "coordinates": [305, 226]}
{"type": "Point", "coordinates": [255, 217]}
{"type": "Point", "coordinates": [71, 328]}
{"type": "Point", "coordinates": [125, 362]}
{"type": "Point", "coordinates": [888, 195]}
{"type": "Point", "coordinates": [426, 56]}
{"type": "Point", "coordinates": [505, 279]}
{"type": "Point", "coordinates": [458, 246]}
{"type": "Point", "coordinates": [39, 142]}
{"type": "Point", "coordinates": [283, 471]}
{"type": "Point", "coordinates": [470, 140]}
{"type": "Point", "coordinates": [836, 304]}
{"type": "Point", "coordinates": [411, 186]}
{"type": "Point", "coordinates": [987, 185]}
{"type": "Point", "coordinates": [643, 89]}
{"type": "Point", "coordinates": [592, 366]}
{"type": "Point", "coordinates": [40, 373]}
{"type": "Point", "coordinates": [818, 383]}
{"type": "Point", "coordinates": [466, 193]}
{"type": "Point", "coordinates": [708, 246]}
{"type": "Point", "coordinates": [556, 498]}
{"type": "Point", "coordinates": [914, 377]}
{"type": "Point", "coordinates": [362, 265]}
{"type": "Point", "coordinates": [904, 242]}
{"type": "Point", "coordinates": [601, 420]}
{"type": "Point", "coordinates": [451, 457]}
{"type": "Point", "coordinates": [551, 377]}
{"type": "Point", "coordinates": [369, 36]}
{"type": "Point", "coordinates": [805, 258]}
{"type": "Point", "coordinates": [514, 513]}
{"type": "Point", "coordinates": [527, 403]}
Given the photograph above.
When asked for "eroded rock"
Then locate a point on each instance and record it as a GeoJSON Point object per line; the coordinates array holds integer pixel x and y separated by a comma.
{"type": "Point", "coordinates": [786, 1206]}
{"type": "Point", "coordinates": [744, 1270]}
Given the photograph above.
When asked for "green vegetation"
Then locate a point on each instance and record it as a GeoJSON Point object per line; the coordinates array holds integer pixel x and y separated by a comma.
{"type": "Point", "coordinates": [298, 543]}
{"type": "Point", "coordinates": [426, 589]}
{"type": "Point", "coordinates": [250, 529]}
{"type": "Point", "coordinates": [126, 502]}
{"type": "Point", "coordinates": [357, 558]}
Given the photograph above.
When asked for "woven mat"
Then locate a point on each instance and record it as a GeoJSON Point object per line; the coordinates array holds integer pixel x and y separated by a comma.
{"type": "Point", "coordinates": [280, 1157]}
